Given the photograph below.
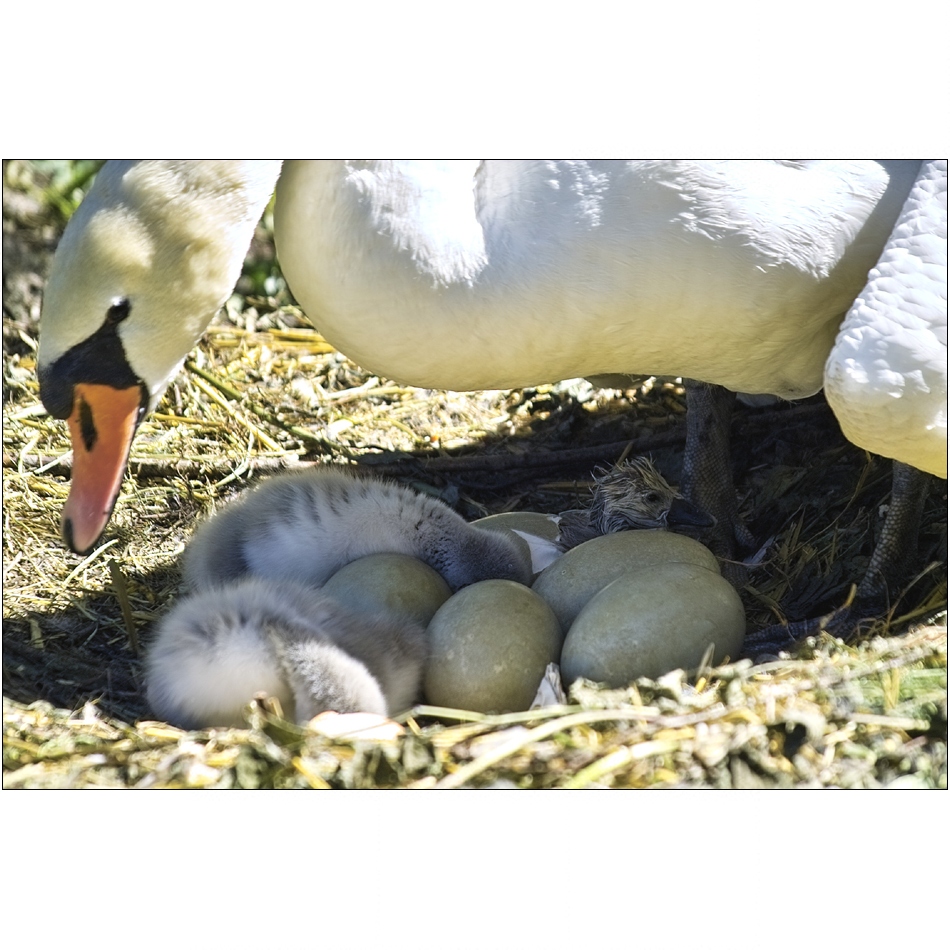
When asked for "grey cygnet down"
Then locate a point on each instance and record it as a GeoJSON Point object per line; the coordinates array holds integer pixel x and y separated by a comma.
{"type": "Point", "coordinates": [216, 648]}
{"type": "Point", "coordinates": [304, 526]}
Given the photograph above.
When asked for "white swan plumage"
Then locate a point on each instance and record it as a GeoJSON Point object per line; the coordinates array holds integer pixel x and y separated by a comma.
{"type": "Point", "coordinates": [467, 276]}
{"type": "Point", "coordinates": [497, 275]}
{"type": "Point", "coordinates": [886, 376]}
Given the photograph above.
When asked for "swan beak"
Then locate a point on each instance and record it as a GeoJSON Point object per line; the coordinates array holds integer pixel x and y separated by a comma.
{"type": "Point", "coordinates": [101, 427]}
{"type": "Point", "coordinates": [683, 512]}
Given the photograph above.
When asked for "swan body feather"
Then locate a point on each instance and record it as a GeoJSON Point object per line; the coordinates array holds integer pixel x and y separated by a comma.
{"type": "Point", "coordinates": [886, 376]}
{"type": "Point", "coordinates": [497, 275]}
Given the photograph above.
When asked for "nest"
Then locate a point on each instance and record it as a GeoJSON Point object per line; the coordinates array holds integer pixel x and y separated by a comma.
{"type": "Point", "coordinates": [264, 392]}
{"type": "Point", "coordinates": [850, 718]}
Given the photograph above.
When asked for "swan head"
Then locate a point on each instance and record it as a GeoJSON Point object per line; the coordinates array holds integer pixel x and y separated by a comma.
{"type": "Point", "coordinates": [144, 264]}
{"type": "Point", "coordinates": [636, 495]}
{"type": "Point", "coordinates": [633, 495]}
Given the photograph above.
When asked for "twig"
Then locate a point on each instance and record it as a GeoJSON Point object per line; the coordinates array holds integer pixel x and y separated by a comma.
{"type": "Point", "coordinates": [155, 467]}
{"type": "Point", "coordinates": [265, 414]}
{"type": "Point", "coordinates": [122, 593]}
{"type": "Point", "coordinates": [98, 552]}
{"type": "Point", "coordinates": [150, 466]}
{"type": "Point", "coordinates": [259, 434]}
{"type": "Point", "coordinates": [526, 460]}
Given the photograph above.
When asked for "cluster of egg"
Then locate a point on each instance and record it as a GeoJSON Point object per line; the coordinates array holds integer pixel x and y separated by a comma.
{"type": "Point", "coordinates": [635, 603]}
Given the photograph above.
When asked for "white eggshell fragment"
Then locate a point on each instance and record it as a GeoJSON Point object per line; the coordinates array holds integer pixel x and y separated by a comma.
{"type": "Point", "coordinates": [489, 646]}
{"type": "Point", "coordinates": [571, 581]}
{"type": "Point", "coordinates": [359, 726]}
{"type": "Point", "coordinates": [651, 621]}
{"type": "Point", "coordinates": [390, 584]}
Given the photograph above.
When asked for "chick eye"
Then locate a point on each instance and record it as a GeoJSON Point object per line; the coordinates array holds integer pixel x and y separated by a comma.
{"type": "Point", "coordinates": [653, 497]}
{"type": "Point", "coordinates": [119, 310]}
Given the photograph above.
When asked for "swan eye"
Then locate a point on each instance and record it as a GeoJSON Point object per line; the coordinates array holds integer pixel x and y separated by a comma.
{"type": "Point", "coordinates": [119, 310]}
{"type": "Point", "coordinates": [653, 497]}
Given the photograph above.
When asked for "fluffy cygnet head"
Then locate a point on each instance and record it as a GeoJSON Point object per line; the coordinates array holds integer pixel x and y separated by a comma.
{"type": "Point", "coordinates": [629, 496]}
{"type": "Point", "coordinates": [322, 676]}
{"type": "Point", "coordinates": [636, 495]}
{"type": "Point", "coordinates": [216, 649]}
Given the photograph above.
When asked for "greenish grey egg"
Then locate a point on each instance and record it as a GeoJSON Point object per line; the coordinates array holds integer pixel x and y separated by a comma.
{"type": "Point", "coordinates": [651, 621]}
{"type": "Point", "coordinates": [489, 646]}
{"type": "Point", "coordinates": [574, 578]}
{"type": "Point", "coordinates": [390, 584]}
{"type": "Point", "coordinates": [530, 522]}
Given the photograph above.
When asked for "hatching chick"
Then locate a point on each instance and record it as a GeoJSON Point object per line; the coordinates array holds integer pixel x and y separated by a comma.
{"type": "Point", "coordinates": [217, 648]}
{"type": "Point", "coordinates": [304, 526]}
{"type": "Point", "coordinates": [627, 496]}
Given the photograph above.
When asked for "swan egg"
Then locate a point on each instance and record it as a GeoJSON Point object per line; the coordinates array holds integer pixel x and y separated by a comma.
{"type": "Point", "coordinates": [489, 646]}
{"type": "Point", "coordinates": [530, 522]}
{"type": "Point", "coordinates": [572, 580]}
{"type": "Point", "coordinates": [651, 621]}
{"type": "Point", "coordinates": [390, 584]}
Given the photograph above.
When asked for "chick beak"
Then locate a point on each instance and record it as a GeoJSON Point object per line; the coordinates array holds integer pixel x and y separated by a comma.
{"type": "Point", "coordinates": [683, 512]}
{"type": "Point", "coordinates": [101, 426]}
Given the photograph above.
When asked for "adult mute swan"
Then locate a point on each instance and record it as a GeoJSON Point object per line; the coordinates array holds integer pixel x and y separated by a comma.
{"type": "Point", "coordinates": [471, 275]}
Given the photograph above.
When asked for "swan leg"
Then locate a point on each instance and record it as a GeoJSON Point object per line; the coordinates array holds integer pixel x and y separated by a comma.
{"type": "Point", "coordinates": [887, 569]}
{"type": "Point", "coordinates": [707, 473]}
{"type": "Point", "coordinates": [898, 538]}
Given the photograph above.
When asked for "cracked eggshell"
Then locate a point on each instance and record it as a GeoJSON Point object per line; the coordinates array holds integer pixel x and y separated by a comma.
{"type": "Point", "coordinates": [651, 621]}
{"type": "Point", "coordinates": [489, 646]}
{"type": "Point", "coordinates": [390, 584]}
{"type": "Point", "coordinates": [574, 578]}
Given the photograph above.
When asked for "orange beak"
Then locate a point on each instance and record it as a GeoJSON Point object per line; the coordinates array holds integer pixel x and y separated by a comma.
{"type": "Point", "coordinates": [101, 427]}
